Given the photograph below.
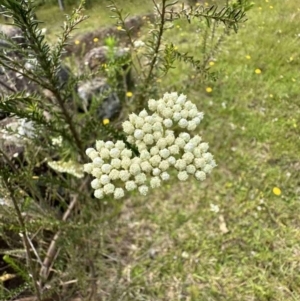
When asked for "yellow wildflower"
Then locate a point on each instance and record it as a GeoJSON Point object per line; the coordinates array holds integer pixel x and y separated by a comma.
{"type": "Point", "coordinates": [276, 191]}
{"type": "Point", "coordinates": [293, 80]}
{"type": "Point", "coordinates": [257, 71]}
{"type": "Point", "coordinates": [271, 6]}
{"type": "Point", "coordinates": [119, 28]}
{"type": "Point", "coordinates": [77, 42]}
{"type": "Point", "coordinates": [208, 89]}
{"type": "Point", "coordinates": [177, 26]}
{"type": "Point", "coordinates": [105, 121]}
{"type": "Point", "coordinates": [96, 40]}
{"type": "Point", "coordinates": [129, 94]}
{"type": "Point", "coordinates": [260, 8]}
{"type": "Point", "coordinates": [211, 63]}
{"type": "Point", "coordinates": [248, 57]}
{"type": "Point", "coordinates": [271, 95]}
{"type": "Point", "coordinates": [291, 58]}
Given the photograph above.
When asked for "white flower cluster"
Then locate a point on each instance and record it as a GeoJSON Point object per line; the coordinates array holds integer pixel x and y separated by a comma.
{"type": "Point", "coordinates": [70, 167]}
{"type": "Point", "coordinates": [115, 167]}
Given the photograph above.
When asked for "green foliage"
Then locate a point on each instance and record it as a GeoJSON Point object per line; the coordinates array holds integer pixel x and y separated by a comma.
{"type": "Point", "coordinates": [52, 208]}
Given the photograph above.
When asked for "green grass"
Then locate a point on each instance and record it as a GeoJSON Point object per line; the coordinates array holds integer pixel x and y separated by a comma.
{"type": "Point", "coordinates": [249, 250]}
{"type": "Point", "coordinates": [252, 124]}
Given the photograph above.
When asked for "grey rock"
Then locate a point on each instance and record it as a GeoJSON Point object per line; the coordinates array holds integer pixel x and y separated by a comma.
{"type": "Point", "coordinates": [99, 89]}
{"type": "Point", "coordinates": [98, 56]}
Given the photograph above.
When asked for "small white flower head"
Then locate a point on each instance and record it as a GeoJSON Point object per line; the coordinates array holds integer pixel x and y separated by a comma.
{"type": "Point", "coordinates": [92, 153]}
{"type": "Point", "coordinates": [156, 171]}
{"type": "Point", "coordinates": [174, 149]}
{"type": "Point", "coordinates": [95, 184]}
{"type": "Point", "coordinates": [161, 143]}
{"type": "Point", "coordinates": [197, 152]}
{"type": "Point", "coordinates": [140, 178]}
{"type": "Point", "coordinates": [188, 157]}
{"type": "Point", "coordinates": [104, 179]}
{"type": "Point", "coordinates": [98, 162]}
{"type": "Point", "coordinates": [126, 153]}
{"type": "Point", "coordinates": [155, 160]}
{"type": "Point", "coordinates": [157, 127]}
{"type": "Point", "coordinates": [147, 128]}
{"type": "Point", "coordinates": [99, 145]}
{"type": "Point", "coordinates": [183, 123]}
{"type": "Point", "coordinates": [182, 176]}
{"type": "Point", "coordinates": [164, 153]}
{"type": "Point", "coordinates": [114, 175]}
{"type": "Point", "coordinates": [200, 175]}
{"type": "Point", "coordinates": [135, 169]}
{"type": "Point", "coordinates": [179, 142]}
{"type": "Point", "coordinates": [148, 139]}
{"type": "Point", "coordinates": [204, 147]}
{"type": "Point", "coordinates": [152, 104]}
{"type": "Point", "coordinates": [130, 139]}
{"type": "Point", "coordinates": [167, 113]}
{"type": "Point", "coordinates": [98, 193]}
{"type": "Point", "coordinates": [157, 135]}
{"type": "Point", "coordinates": [139, 122]}
{"type": "Point", "coordinates": [150, 119]}
{"type": "Point", "coordinates": [89, 151]}
{"type": "Point", "coordinates": [124, 175]}
{"type": "Point", "coordinates": [104, 153]}
{"type": "Point", "coordinates": [188, 105]}
{"type": "Point", "coordinates": [193, 114]}
{"type": "Point", "coordinates": [143, 114]}
{"type": "Point", "coordinates": [114, 153]}
{"type": "Point", "coordinates": [165, 176]}
{"type": "Point", "coordinates": [177, 108]}
{"type": "Point", "coordinates": [172, 160]}
{"type": "Point", "coordinates": [192, 125]}
{"type": "Point", "coordinates": [189, 147]}
{"type": "Point", "coordinates": [154, 151]}
{"type": "Point", "coordinates": [176, 116]}
{"type": "Point", "coordinates": [88, 167]}
{"type": "Point", "coordinates": [180, 164]}
{"type": "Point", "coordinates": [125, 162]}
{"type": "Point", "coordinates": [109, 144]}
{"type": "Point", "coordinates": [132, 118]}
{"type": "Point", "coordinates": [168, 123]}
{"type": "Point", "coordinates": [207, 168]}
{"type": "Point", "coordinates": [106, 168]}
{"type": "Point", "coordinates": [141, 145]}
{"type": "Point", "coordinates": [199, 162]}
{"type": "Point", "coordinates": [119, 193]}
{"type": "Point", "coordinates": [185, 136]}
{"type": "Point", "coordinates": [196, 140]}
{"type": "Point", "coordinates": [120, 145]}
{"type": "Point", "coordinates": [143, 189]}
{"type": "Point", "coordinates": [109, 188]}
{"type": "Point", "coordinates": [155, 182]}
{"type": "Point", "coordinates": [96, 172]}
{"type": "Point", "coordinates": [164, 165]}
{"type": "Point", "coordinates": [138, 134]}
{"type": "Point", "coordinates": [138, 44]}
{"type": "Point", "coordinates": [184, 114]}
{"type": "Point", "coordinates": [130, 185]}
{"type": "Point", "coordinates": [181, 99]}
{"type": "Point", "coordinates": [145, 155]}
{"type": "Point", "coordinates": [208, 157]}
{"type": "Point", "coordinates": [116, 163]}
{"type": "Point", "coordinates": [146, 167]}
{"type": "Point", "coordinates": [128, 127]}
{"type": "Point", "coordinates": [191, 169]}
{"type": "Point", "coordinates": [170, 138]}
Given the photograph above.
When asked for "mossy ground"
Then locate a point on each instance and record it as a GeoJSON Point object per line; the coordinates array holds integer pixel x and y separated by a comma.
{"type": "Point", "coordinates": [171, 245]}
